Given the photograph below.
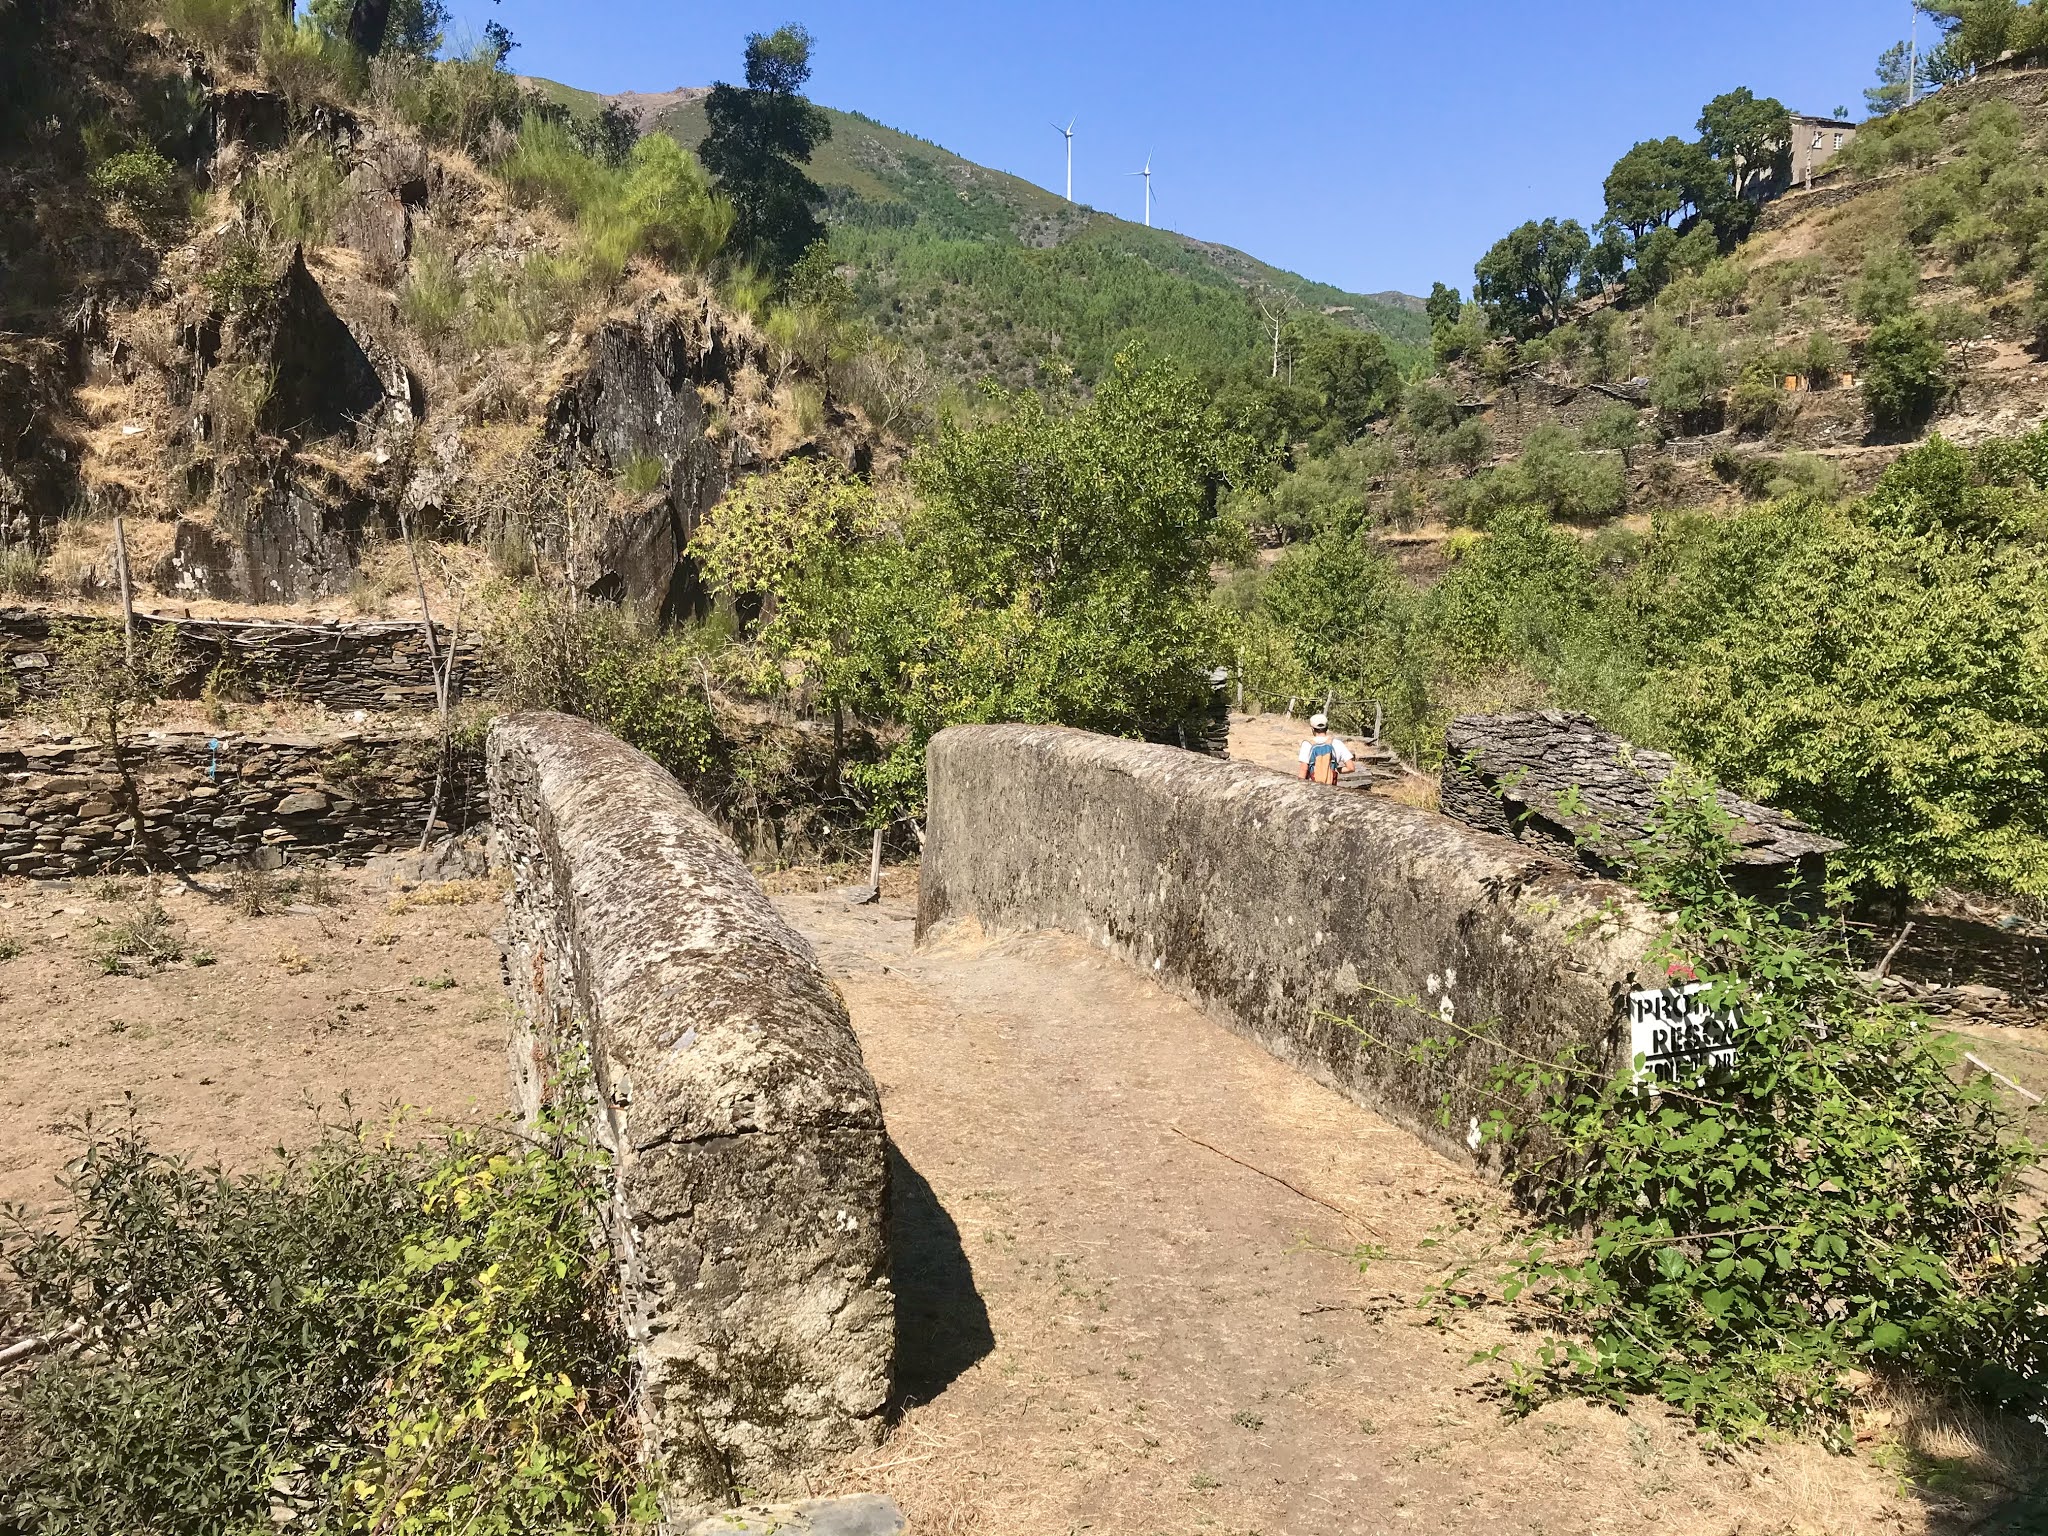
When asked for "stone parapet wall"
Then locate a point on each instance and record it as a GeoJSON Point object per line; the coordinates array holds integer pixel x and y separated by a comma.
{"type": "Point", "coordinates": [193, 801]}
{"type": "Point", "coordinates": [371, 666]}
{"type": "Point", "coordinates": [750, 1200]}
{"type": "Point", "coordinates": [1286, 909]}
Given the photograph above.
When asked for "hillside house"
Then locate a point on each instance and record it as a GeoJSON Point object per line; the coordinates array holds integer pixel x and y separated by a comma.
{"type": "Point", "coordinates": [1815, 142]}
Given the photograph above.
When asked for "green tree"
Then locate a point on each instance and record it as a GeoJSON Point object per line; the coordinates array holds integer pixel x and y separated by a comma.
{"type": "Point", "coordinates": [1905, 371]}
{"type": "Point", "coordinates": [1893, 88]}
{"type": "Point", "coordinates": [1345, 607]}
{"type": "Point", "coordinates": [1443, 306]}
{"type": "Point", "coordinates": [1353, 375]}
{"type": "Point", "coordinates": [1881, 670]}
{"type": "Point", "coordinates": [1657, 181]}
{"type": "Point", "coordinates": [1750, 136]}
{"type": "Point", "coordinates": [761, 136]}
{"type": "Point", "coordinates": [1526, 279]}
{"type": "Point", "coordinates": [413, 29]}
{"type": "Point", "coordinates": [669, 202]}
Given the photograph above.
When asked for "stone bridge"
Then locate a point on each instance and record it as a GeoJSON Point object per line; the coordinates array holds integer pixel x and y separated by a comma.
{"type": "Point", "coordinates": [1088, 913]}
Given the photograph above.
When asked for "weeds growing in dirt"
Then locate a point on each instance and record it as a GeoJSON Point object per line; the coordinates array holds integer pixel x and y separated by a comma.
{"type": "Point", "coordinates": [143, 938]}
{"type": "Point", "coordinates": [252, 890]}
{"type": "Point", "coordinates": [11, 948]}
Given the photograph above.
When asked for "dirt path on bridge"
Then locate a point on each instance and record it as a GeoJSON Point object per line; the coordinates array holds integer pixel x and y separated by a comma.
{"type": "Point", "coordinates": [1110, 1325]}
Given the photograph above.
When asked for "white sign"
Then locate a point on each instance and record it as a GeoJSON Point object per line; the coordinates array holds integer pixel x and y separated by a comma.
{"type": "Point", "coordinates": [1679, 1038]}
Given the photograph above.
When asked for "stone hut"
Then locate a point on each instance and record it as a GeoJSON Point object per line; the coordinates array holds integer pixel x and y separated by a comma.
{"type": "Point", "coordinates": [1558, 779]}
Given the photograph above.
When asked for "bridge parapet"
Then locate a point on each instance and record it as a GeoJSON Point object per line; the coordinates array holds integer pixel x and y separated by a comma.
{"type": "Point", "coordinates": [750, 1174]}
{"type": "Point", "coordinates": [1339, 931]}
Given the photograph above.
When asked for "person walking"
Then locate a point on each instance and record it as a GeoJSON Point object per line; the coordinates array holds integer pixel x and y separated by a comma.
{"type": "Point", "coordinates": [1323, 757]}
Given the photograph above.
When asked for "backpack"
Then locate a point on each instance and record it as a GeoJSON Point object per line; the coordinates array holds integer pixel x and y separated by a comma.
{"type": "Point", "coordinates": [1322, 762]}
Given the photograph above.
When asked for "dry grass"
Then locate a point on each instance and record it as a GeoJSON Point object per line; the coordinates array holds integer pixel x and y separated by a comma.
{"type": "Point", "coordinates": [81, 563]}
{"type": "Point", "coordinates": [446, 893]}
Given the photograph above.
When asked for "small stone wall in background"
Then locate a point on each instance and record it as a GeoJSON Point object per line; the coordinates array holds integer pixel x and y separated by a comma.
{"type": "Point", "coordinates": [378, 666]}
{"type": "Point", "coordinates": [200, 801]}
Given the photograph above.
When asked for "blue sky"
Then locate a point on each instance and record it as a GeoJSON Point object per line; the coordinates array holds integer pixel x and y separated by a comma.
{"type": "Point", "coordinates": [1368, 145]}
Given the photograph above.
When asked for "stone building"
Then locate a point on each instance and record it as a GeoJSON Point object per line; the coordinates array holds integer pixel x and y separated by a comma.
{"type": "Point", "coordinates": [1815, 142]}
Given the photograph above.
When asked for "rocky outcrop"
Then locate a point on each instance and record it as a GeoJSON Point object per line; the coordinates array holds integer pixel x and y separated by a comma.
{"type": "Point", "coordinates": [638, 400]}
{"type": "Point", "coordinates": [190, 800]}
{"type": "Point", "coordinates": [1556, 778]}
{"type": "Point", "coordinates": [1344, 933]}
{"type": "Point", "coordinates": [749, 1211]}
{"type": "Point", "coordinates": [38, 467]}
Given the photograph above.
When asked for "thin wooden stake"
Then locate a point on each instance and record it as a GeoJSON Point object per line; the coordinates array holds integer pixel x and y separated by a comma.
{"type": "Point", "coordinates": [127, 589]}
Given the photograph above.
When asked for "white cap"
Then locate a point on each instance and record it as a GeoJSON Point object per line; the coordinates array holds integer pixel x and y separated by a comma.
{"type": "Point", "coordinates": [1319, 722]}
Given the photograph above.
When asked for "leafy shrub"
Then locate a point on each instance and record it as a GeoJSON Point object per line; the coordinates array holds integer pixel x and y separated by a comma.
{"type": "Point", "coordinates": [1740, 1243]}
{"type": "Point", "coordinates": [225, 30]}
{"type": "Point", "coordinates": [141, 179]}
{"type": "Point", "coordinates": [611, 665]}
{"type": "Point", "coordinates": [300, 197]}
{"type": "Point", "coordinates": [1806, 474]}
{"type": "Point", "coordinates": [1617, 428]}
{"type": "Point", "coordinates": [1886, 286]}
{"type": "Point", "coordinates": [1905, 372]}
{"type": "Point", "coordinates": [360, 1336]}
{"type": "Point", "coordinates": [1329, 491]}
{"type": "Point", "coordinates": [242, 276]}
{"type": "Point", "coordinates": [1345, 608]}
{"type": "Point", "coordinates": [1687, 374]}
{"type": "Point", "coordinates": [1820, 359]}
{"type": "Point", "coordinates": [308, 63]}
{"type": "Point", "coordinates": [1520, 590]}
{"type": "Point", "coordinates": [1991, 273]}
{"type": "Point", "coordinates": [1779, 661]}
{"type": "Point", "coordinates": [1758, 396]}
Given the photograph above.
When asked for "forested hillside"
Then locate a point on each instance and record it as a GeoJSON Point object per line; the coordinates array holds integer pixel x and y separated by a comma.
{"type": "Point", "coordinates": [989, 276]}
{"type": "Point", "coordinates": [1666, 471]}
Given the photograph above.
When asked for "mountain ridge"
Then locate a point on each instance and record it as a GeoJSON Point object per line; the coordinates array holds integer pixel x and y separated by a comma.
{"type": "Point", "coordinates": [941, 243]}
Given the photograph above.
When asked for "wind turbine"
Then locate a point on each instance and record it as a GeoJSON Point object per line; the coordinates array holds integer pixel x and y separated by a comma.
{"type": "Point", "coordinates": [1069, 132]}
{"type": "Point", "coordinates": [1147, 174]}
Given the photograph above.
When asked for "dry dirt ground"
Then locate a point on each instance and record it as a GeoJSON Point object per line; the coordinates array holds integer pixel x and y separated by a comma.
{"type": "Point", "coordinates": [1111, 1323]}
{"type": "Point", "coordinates": [1128, 1287]}
{"type": "Point", "coordinates": [221, 1052]}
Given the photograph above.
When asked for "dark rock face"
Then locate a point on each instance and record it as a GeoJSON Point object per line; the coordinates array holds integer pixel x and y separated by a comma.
{"type": "Point", "coordinates": [297, 535]}
{"type": "Point", "coordinates": [38, 469]}
{"type": "Point", "coordinates": [750, 1202]}
{"type": "Point", "coordinates": [1558, 779]}
{"type": "Point", "coordinates": [323, 380]}
{"type": "Point", "coordinates": [638, 400]}
{"type": "Point", "coordinates": [392, 180]}
{"type": "Point", "coordinates": [1336, 930]}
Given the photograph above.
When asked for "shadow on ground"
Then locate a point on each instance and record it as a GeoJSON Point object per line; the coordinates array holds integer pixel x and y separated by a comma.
{"type": "Point", "coordinates": [942, 1326]}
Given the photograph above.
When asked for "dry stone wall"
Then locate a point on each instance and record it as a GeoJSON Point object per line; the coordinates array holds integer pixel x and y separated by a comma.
{"type": "Point", "coordinates": [750, 1200]}
{"type": "Point", "coordinates": [192, 801]}
{"type": "Point", "coordinates": [373, 666]}
{"type": "Point", "coordinates": [1337, 930]}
